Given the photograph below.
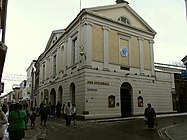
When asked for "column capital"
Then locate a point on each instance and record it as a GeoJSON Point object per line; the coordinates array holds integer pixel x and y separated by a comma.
{"type": "Point", "coordinates": [88, 23]}
{"type": "Point", "coordinates": [106, 28]}
{"type": "Point", "coordinates": [140, 38]}
{"type": "Point", "coordinates": [151, 41]}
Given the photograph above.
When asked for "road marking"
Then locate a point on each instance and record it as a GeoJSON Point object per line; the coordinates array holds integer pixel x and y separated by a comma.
{"type": "Point", "coordinates": [43, 135]}
{"type": "Point", "coordinates": [163, 133]}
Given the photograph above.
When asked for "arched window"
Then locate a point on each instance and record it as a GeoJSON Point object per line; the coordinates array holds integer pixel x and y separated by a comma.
{"type": "Point", "coordinates": [124, 20]}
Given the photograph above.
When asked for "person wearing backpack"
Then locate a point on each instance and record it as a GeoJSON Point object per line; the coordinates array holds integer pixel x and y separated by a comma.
{"type": "Point", "coordinates": [150, 114]}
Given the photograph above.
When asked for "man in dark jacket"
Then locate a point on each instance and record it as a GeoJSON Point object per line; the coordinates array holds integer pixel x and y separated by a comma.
{"type": "Point", "coordinates": [58, 109]}
{"type": "Point", "coordinates": [150, 115]}
{"type": "Point", "coordinates": [44, 112]}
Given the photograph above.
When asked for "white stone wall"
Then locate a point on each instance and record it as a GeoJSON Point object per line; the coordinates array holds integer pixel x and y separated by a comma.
{"type": "Point", "coordinates": [93, 97]}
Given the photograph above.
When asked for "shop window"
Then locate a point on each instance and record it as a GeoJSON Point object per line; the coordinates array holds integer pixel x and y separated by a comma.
{"type": "Point", "coordinates": [140, 101]}
{"type": "Point", "coordinates": [111, 101]}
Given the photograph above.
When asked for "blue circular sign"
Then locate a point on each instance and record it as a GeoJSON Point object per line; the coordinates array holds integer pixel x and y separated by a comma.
{"type": "Point", "coordinates": [124, 52]}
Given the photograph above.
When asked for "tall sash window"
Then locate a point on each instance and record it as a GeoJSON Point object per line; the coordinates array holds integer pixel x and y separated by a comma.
{"type": "Point", "coordinates": [75, 51]}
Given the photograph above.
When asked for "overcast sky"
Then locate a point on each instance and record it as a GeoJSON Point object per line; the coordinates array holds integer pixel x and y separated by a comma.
{"type": "Point", "coordinates": [30, 23]}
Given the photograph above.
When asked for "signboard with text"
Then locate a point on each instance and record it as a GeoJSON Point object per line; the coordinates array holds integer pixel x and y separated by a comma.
{"type": "Point", "coordinates": [184, 75]}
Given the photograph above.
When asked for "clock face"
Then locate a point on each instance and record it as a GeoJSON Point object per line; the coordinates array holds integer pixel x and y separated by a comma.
{"type": "Point", "coordinates": [124, 52]}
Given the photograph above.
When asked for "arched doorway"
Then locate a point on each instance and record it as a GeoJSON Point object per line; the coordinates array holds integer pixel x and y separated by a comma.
{"type": "Point", "coordinates": [41, 97]}
{"type": "Point", "coordinates": [72, 93]}
{"type": "Point", "coordinates": [46, 96]}
{"type": "Point", "coordinates": [126, 98]}
{"type": "Point", "coordinates": [182, 100]}
{"type": "Point", "coordinates": [60, 94]}
{"type": "Point", "coordinates": [53, 97]}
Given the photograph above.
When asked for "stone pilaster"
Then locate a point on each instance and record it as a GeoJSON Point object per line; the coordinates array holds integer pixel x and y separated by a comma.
{"type": "Point", "coordinates": [152, 58]}
{"type": "Point", "coordinates": [141, 55]}
{"type": "Point", "coordinates": [106, 48]}
{"type": "Point", "coordinates": [87, 43]}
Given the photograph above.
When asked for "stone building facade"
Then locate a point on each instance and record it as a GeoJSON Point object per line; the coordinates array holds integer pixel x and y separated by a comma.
{"type": "Point", "coordinates": [104, 63]}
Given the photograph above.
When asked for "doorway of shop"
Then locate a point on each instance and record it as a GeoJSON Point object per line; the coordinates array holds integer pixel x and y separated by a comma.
{"type": "Point", "coordinates": [72, 93]}
{"type": "Point", "coordinates": [126, 99]}
{"type": "Point", "coordinates": [53, 97]}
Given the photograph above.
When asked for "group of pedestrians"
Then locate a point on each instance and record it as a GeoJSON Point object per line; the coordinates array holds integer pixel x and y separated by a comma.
{"type": "Point", "coordinates": [17, 116]}
{"type": "Point", "coordinates": [14, 119]}
{"type": "Point", "coordinates": [48, 111]}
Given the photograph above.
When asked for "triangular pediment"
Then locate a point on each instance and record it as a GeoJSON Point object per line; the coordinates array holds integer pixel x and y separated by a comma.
{"type": "Point", "coordinates": [114, 12]}
{"type": "Point", "coordinates": [54, 37]}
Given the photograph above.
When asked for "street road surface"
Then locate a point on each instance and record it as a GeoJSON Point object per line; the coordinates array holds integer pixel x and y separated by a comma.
{"type": "Point", "coordinates": [131, 129]}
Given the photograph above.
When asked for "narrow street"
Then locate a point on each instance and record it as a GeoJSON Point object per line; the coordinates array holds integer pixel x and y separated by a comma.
{"type": "Point", "coordinates": [130, 129]}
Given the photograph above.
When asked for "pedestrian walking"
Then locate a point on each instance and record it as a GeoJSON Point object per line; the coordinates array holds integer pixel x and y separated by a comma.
{"type": "Point", "coordinates": [74, 113]}
{"type": "Point", "coordinates": [4, 108]}
{"type": "Point", "coordinates": [16, 120]}
{"type": "Point", "coordinates": [28, 115]}
{"type": "Point", "coordinates": [63, 111]}
{"type": "Point", "coordinates": [44, 112]}
{"type": "Point", "coordinates": [51, 110]}
{"type": "Point", "coordinates": [12, 105]}
{"type": "Point", "coordinates": [33, 117]}
{"type": "Point", "coordinates": [37, 109]}
{"type": "Point", "coordinates": [58, 109]}
{"type": "Point", "coordinates": [150, 115]}
{"type": "Point", "coordinates": [3, 121]}
{"type": "Point", "coordinates": [68, 113]}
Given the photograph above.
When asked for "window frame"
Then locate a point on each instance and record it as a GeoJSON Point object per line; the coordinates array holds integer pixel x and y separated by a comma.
{"type": "Point", "coordinates": [54, 64]}
{"type": "Point", "coordinates": [75, 50]}
{"type": "Point", "coordinates": [124, 19]}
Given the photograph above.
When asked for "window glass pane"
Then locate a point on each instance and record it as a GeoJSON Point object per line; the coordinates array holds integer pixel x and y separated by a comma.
{"type": "Point", "coordinates": [124, 20]}
{"type": "Point", "coordinates": [75, 51]}
{"type": "Point", "coordinates": [54, 65]}
{"type": "Point", "coordinates": [43, 71]}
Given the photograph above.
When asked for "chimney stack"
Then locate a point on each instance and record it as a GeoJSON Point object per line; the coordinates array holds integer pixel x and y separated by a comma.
{"type": "Point", "coordinates": [121, 1]}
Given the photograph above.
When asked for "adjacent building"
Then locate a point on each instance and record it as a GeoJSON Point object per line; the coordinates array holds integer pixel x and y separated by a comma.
{"type": "Point", "coordinates": [104, 63]}
{"type": "Point", "coordinates": [181, 89]}
{"type": "Point", "coordinates": [30, 83]}
{"type": "Point", "coordinates": [3, 47]}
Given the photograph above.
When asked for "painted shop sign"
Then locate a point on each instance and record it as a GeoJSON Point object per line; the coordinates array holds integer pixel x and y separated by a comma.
{"type": "Point", "coordinates": [98, 83]}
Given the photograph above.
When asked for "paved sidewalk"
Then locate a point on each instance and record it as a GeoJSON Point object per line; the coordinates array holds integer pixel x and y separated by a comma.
{"type": "Point", "coordinates": [33, 133]}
